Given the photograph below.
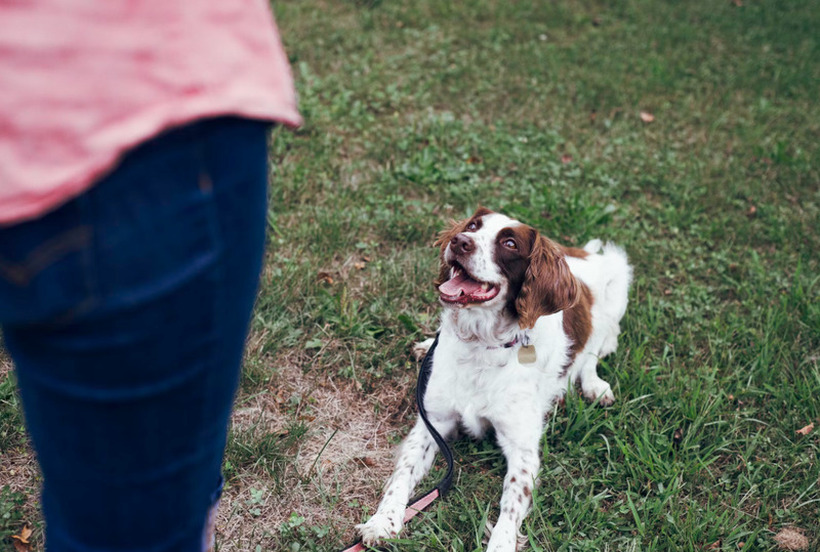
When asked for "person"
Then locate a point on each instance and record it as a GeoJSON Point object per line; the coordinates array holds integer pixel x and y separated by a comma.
{"type": "Point", "coordinates": [133, 179]}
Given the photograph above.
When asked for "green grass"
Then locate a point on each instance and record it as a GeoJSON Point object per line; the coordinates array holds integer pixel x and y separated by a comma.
{"type": "Point", "coordinates": [417, 112]}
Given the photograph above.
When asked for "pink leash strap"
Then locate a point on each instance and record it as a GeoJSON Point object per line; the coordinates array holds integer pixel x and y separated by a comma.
{"type": "Point", "coordinates": [412, 510]}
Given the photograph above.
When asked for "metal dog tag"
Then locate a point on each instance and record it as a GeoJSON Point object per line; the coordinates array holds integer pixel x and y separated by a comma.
{"type": "Point", "coordinates": [526, 354]}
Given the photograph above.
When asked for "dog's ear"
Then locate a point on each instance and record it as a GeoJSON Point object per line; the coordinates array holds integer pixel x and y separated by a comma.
{"type": "Point", "coordinates": [548, 287]}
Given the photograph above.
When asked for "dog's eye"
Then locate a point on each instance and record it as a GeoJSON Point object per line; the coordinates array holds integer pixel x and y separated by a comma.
{"type": "Point", "coordinates": [510, 244]}
{"type": "Point", "coordinates": [472, 227]}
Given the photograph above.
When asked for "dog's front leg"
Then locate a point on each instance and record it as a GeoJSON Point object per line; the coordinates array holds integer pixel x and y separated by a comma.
{"type": "Point", "coordinates": [520, 447]}
{"type": "Point", "coordinates": [414, 461]}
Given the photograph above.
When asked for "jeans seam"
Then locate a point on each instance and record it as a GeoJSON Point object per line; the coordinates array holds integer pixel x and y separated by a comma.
{"type": "Point", "coordinates": [207, 189]}
{"type": "Point", "coordinates": [40, 258]}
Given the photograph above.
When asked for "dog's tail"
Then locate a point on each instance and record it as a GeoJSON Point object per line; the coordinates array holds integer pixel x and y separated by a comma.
{"type": "Point", "coordinates": [594, 246]}
{"type": "Point", "coordinates": [618, 275]}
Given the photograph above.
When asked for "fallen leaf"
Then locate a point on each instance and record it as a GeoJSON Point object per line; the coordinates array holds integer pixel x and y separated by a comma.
{"type": "Point", "coordinates": [324, 277]}
{"type": "Point", "coordinates": [647, 117]}
{"type": "Point", "coordinates": [805, 430]}
{"type": "Point", "coordinates": [677, 437]}
{"type": "Point", "coordinates": [25, 534]}
{"type": "Point", "coordinates": [366, 461]}
{"type": "Point", "coordinates": [21, 542]}
{"type": "Point", "coordinates": [790, 538]}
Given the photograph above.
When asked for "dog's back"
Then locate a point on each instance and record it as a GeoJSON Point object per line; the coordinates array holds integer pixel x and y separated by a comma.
{"type": "Point", "coordinates": [608, 274]}
{"type": "Point", "coordinates": [611, 278]}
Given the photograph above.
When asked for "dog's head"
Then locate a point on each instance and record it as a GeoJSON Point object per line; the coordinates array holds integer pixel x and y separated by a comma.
{"type": "Point", "coordinates": [491, 261]}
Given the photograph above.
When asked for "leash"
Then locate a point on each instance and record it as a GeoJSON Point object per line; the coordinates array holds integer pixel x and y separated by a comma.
{"type": "Point", "coordinates": [422, 501]}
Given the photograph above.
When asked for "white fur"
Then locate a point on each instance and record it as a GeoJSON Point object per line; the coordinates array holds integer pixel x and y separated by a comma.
{"type": "Point", "coordinates": [476, 382]}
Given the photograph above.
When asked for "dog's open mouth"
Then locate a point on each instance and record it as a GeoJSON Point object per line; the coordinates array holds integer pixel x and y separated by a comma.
{"type": "Point", "coordinates": [462, 288]}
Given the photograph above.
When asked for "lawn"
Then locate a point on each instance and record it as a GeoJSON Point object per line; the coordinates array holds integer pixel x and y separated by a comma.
{"type": "Point", "coordinates": [685, 131]}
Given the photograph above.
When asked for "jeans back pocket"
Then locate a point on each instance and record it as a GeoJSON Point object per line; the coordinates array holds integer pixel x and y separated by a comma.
{"type": "Point", "coordinates": [45, 268]}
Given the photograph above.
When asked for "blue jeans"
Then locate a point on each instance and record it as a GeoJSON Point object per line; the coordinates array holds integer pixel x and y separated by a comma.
{"type": "Point", "coordinates": [125, 312]}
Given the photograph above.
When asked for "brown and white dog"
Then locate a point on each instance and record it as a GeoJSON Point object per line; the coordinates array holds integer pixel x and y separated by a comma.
{"type": "Point", "coordinates": [522, 317]}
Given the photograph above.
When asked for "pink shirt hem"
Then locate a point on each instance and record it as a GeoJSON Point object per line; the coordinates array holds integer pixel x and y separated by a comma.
{"type": "Point", "coordinates": [83, 82]}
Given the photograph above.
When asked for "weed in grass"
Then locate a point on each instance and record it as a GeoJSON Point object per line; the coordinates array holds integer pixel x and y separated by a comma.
{"type": "Point", "coordinates": [11, 516]}
{"type": "Point", "coordinates": [11, 420]}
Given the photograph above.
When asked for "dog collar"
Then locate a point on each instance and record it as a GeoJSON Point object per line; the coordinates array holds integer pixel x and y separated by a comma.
{"type": "Point", "coordinates": [512, 343]}
{"type": "Point", "coordinates": [520, 338]}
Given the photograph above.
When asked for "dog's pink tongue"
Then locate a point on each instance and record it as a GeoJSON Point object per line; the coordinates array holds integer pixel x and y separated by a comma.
{"type": "Point", "coordinates": [461, 283]}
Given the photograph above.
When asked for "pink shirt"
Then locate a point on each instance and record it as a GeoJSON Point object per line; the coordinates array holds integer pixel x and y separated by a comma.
{"type": "Point", "coordinates": [82, 81]}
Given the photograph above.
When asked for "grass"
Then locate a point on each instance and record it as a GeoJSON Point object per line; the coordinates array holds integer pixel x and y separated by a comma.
{"type": "Point", "coordinates": [418, 112]}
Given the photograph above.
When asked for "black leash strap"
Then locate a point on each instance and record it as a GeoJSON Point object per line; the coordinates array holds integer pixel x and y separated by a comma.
{"type": "Point", "coordinates": [421, 388]}
{"type": "Point", "coordinates": [422, 501]}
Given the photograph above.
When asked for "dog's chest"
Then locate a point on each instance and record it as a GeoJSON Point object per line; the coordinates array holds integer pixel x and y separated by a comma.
{"type": "Point", "coordinates": [483, 387]}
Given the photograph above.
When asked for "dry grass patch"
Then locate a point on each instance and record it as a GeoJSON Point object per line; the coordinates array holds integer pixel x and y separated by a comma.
{"type": "Point", "coordinates": [19, 474]}
{"type": "Point", "coordinates": [791, 538]}
{"type": "Point", "coordinates": [337, 468]}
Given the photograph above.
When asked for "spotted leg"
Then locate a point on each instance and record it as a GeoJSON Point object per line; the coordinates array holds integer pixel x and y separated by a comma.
{"type": "Point", "coordinates": [520, 447]}
{"type": "Point", "coordinates": [414, 461]}
{"type": "Point", "coordinates": [420, 348]}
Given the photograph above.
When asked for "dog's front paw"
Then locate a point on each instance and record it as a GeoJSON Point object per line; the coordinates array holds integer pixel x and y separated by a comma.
{"type": "Point", "coordinates": [379, 527]}
{"type": "Point", "coordinates": [600, 390]}
{"type": "Point", "coordinates": [420, 348]}
{"type": "Point", "coordinates": [504, 537]}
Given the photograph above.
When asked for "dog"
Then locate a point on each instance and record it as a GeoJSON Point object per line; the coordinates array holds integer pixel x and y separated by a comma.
{"type": "Point", "coordinates": [522, 317]}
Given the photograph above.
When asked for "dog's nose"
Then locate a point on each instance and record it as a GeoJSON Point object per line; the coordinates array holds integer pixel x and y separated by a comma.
{"type": "Point", "coordinates": [461, 244]}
